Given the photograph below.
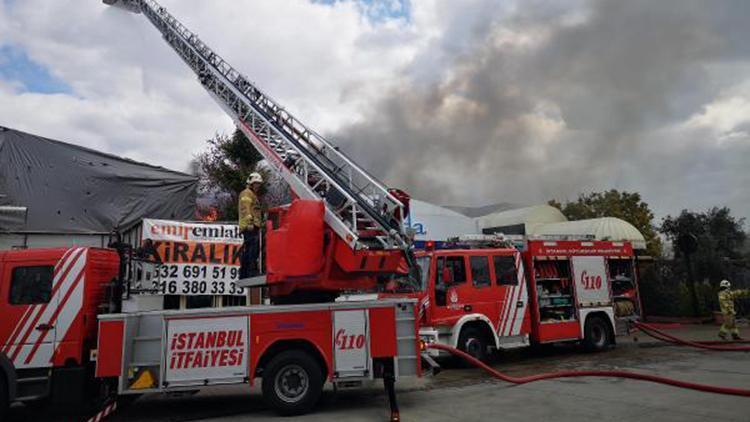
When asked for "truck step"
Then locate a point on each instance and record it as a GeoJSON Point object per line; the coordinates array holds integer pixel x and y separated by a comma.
{"type": "Point", "coordinates": [31, 380]}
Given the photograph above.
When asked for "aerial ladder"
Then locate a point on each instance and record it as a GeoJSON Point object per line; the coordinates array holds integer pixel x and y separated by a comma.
{"type": "Point", "coordinates": [367, 218]}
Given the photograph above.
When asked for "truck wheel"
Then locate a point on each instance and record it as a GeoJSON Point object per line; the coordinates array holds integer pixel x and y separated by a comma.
{"type": "Point", "coordinates": [292, 383]}
{"type": "Point", "coordinates": [472, 341]}
{"type": "Point", "coordinates": [4, 398]}
{"type": "Point", "coordinates": [596, 334]}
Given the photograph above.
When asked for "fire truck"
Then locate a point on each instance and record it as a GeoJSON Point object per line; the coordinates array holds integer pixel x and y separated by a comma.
{"type": "Point", "coordinates": [60, 338]}
{"type": "Point", "coordinates": [76, 321]}
{"type": "Point", "coordinates": [480, 293]}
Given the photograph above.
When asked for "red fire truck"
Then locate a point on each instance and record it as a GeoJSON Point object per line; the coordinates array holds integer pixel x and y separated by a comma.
{"type": "Point", "coordinates": [77, 319]}
{"type": "Point", "coordinates": [486, 294]}
{"type": "Point", "coordinates": [53, 346]}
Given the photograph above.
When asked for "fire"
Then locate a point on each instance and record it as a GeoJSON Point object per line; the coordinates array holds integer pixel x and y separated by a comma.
{"type": "Point", "coordinates": [210, 214]}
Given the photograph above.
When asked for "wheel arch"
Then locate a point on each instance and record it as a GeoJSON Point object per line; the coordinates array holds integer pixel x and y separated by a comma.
{"type": "Point", "coordinates": [474, 320]}
{"type": "Point", "coordinates": [606, 314]}
{"type": "Point", "coordinates": [292, 344]}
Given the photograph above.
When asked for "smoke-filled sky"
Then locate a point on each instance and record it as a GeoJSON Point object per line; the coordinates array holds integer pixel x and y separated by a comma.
{"type": "Point", "coordinates": [459, 102]}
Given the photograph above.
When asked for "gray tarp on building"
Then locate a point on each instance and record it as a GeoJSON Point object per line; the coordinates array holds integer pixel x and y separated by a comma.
{"type": "Point", "coordinates": [68, 188]}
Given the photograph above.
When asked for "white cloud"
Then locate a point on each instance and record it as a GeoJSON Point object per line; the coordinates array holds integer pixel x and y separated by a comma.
{"type": "Point", "coordinates": [132, 95]}
{"type": "Point", "coordinates": [533, 99]}
{"type": "Point", "coordinates": [723, 115]}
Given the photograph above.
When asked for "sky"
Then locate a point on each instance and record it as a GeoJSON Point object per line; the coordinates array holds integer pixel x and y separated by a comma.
{"type": "Point", "coordinates": [466, 102]}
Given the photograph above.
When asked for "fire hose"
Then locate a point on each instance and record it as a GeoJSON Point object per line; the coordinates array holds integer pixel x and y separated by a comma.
{"type": "Point", "coordinates": [708, 345]}
{"type": "Point", "coordinates": [570, 374]}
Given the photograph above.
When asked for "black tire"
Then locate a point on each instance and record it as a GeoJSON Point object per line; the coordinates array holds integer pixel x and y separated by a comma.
{"type": "Point", "coordinates": [596, 334]}
{"type": "Point", "coordinates": [292, 383]}
{"type": "Point", "coordinates": [472, 341]}
{"type": "Point", "coordinates": [4, 397]}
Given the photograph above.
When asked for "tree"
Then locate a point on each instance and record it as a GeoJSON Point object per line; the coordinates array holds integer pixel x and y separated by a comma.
{"type": "Point", "coordinates": [613, 203]}
{"type": "Point", "coordinates": [718, 236]}
{"type": "Point", "coordinates": [223, 169]}
{"type": "Point", "coordinates": [705, 242]}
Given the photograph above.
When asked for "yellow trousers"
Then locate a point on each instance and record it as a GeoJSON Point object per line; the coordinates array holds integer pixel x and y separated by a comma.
{"type": "Point", "coordinates": [729, 326]}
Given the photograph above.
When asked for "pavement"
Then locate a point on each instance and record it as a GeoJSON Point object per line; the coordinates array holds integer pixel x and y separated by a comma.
{"type": "Point", "coordinates": [471, 395]}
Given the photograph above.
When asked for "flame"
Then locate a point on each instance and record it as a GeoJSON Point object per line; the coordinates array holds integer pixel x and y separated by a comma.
{"type": "Point", "coordinates": [210, 214]}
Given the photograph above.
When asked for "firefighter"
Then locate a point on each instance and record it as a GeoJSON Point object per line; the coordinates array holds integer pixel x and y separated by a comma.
{"type": "Point", "coordinates": [250, 223]}
{"type": "Point", "coordinates": [726, 302]}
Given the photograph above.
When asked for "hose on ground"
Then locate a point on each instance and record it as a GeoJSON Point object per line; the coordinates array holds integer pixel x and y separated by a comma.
{"type": "Point", "coordinates": [663, 336]}
{"type": "Point", "coordinates": [570, 374]}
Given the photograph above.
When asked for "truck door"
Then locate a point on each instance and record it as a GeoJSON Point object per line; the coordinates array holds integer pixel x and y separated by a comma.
{"type": "Point", "coordinates": [27, 304]}
{"type": "Point", "coordinates": [513, 294]}
{"type": "Point", "coordinates": [450, 277]}
{"type": "Point", "coordinates": [481, 295]}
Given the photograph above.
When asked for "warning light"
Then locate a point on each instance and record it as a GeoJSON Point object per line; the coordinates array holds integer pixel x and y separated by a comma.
{"type": "Point", "coordinates": [429, 245]}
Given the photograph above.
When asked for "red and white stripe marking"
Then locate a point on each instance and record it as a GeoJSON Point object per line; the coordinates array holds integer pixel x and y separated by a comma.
{"type": "Point", "coordinates": [512, 315]}
{"type": "Point", "coordinates": [32, 348]}
{"type": "Point", "coordinates": [106, 411]}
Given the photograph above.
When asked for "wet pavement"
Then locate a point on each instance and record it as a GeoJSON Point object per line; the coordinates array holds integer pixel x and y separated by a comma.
{"type": "Point", "coordinates": [471, 395]}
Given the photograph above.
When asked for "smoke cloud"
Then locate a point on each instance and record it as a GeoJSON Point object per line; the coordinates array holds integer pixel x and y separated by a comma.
{"type": "Point", "coordinates": [531, 102]}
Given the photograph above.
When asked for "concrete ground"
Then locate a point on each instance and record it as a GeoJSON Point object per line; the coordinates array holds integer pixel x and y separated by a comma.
{"type": "Point", "coordinates": [470, 395]}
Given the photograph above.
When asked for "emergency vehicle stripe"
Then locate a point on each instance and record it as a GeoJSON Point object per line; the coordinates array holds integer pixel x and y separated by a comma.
{"type": "Point", "coordinates": [501, 323]}
{"type": "Point", "coordinates": [62, 318]}
{"type": "Point", "coordinates": [511, 308]}
{"type": "Point", "coordinates": [60, 277]}
{"type": "Point", "coordinates": [16, 330]}
{"type": "Point", "coordinates": [33, 310]}
{"type": "Point", "coordinates": [512, 305]}
{"type": "Point", "coordinates": [62, 281]}
{"type": "Point", "coordinates": [519, 280]}
{"type": "Point", "coordinates": [520, 312]}
{"type": "Point", "coordinates": [53, 319]}
{"type": "Point", "coordinates": [64, 258]}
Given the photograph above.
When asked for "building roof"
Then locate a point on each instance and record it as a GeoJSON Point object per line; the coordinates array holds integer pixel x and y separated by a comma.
{"type": "Point", "coordinates": [528, 216]}
{"type": "Point", "coordinates": [433, 222]}
{"type": "Point", "coordinates": [478, 211]}
{"type": "Point", "coordinates": [606, 228]}
{"type": "Point", "coordinates": [71, 189]}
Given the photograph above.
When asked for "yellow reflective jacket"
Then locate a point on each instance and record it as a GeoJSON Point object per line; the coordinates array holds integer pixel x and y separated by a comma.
{"type": "Point", "coordinates": [727, 297]}
{"type": "Point", "coordinates": [249, 210]}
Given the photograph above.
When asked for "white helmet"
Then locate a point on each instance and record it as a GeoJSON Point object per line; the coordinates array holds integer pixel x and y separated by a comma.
{"type": "Point", "coordinates": [725, 284]}
{"type": "Point", "coordinates": [254, 178]}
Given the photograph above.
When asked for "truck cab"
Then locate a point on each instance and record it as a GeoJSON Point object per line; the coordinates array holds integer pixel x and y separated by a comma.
{"type": "Point", "coordinates": [49, 301]}
{"type": "Point", "coordinates": [475, 299]}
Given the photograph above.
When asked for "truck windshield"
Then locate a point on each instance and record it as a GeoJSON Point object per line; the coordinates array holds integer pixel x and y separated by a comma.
{"type": "Point", "coordinates": [424, 271]}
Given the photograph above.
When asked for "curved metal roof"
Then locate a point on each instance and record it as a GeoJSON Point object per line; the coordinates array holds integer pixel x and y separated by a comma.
{"type": "Point", "coordinates": [605, 228]}
{"type": "Point", "coordinates": [529, 216]}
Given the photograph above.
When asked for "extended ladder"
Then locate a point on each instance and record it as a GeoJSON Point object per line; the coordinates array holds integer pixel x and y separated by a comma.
{"type": "Point", "coordinates": [359, 208]}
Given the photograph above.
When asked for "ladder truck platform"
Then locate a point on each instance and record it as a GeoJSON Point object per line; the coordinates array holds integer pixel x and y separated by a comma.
{"type": "Point", "coordinates": [295, 349]}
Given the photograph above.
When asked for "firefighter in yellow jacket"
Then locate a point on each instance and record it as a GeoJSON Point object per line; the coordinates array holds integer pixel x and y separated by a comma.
{"type": "Point", "coordinates": [726, 302]}
{"type": "Point", "coordinates": [250, 223]}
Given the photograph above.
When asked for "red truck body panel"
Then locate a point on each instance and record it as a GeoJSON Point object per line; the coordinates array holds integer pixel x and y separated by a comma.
{"type": "Point", "coordinates": [499, 288]}
{"type": "Point", "coordinates": [556, 252]}
{"type": "Point", "coordinates": [49, 300]}
{"type": "Point", "coordinates": [303, 253]}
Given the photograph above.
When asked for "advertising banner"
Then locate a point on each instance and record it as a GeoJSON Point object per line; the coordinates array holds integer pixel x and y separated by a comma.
{"type": "Point", "coordinates": [194, 258]}
{"type": "Point", "coordinates": [211, 349]}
